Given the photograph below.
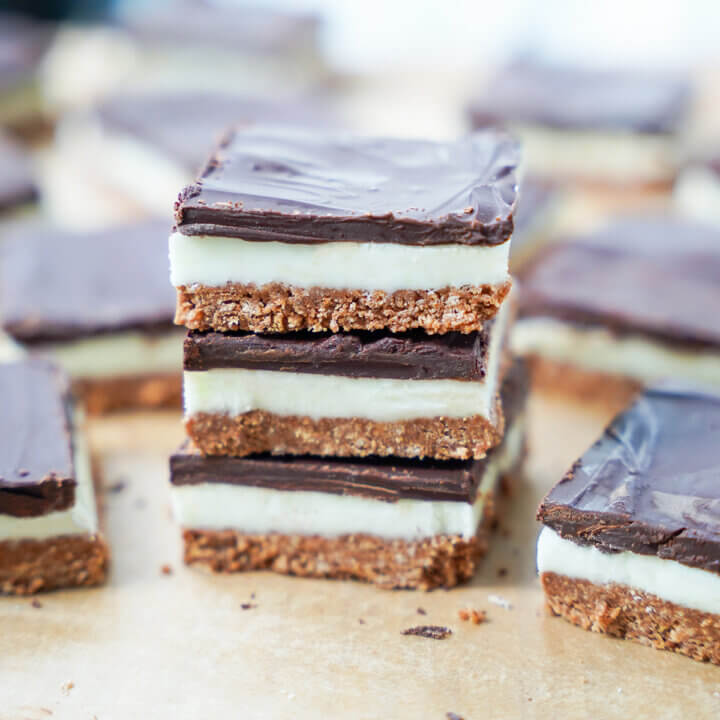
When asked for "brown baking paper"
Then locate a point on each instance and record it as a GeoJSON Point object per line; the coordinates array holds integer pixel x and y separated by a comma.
{"type": "Point", "coordinates": [181, 645]}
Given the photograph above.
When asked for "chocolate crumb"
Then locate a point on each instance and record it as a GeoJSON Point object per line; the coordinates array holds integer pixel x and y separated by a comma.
{"type": "Point", "coordinates": [252, 596]}
{"type": "Point", "coordinates": [117, 486]}
{"type": "Point", "coordinates": [166, 570]}
{"type": "Point", "coordinates": [453, 716]}
{"type": "Point", "coordinates": [469, 210]}
{"type": "Point", "coordinates": [421, 611]}
{"type": "Point", "coordinates": [433, 632]}
{"type": "Point", "coordinates": [502, 572]}
{"type": "Point", "coordinates": [248, 606]}
{"type": "Point", "coordinates": [361, 621]}
{"type": "Point", "coordinates": [22, 472]}
{"type": "Point", "coordinates": [36, 603]}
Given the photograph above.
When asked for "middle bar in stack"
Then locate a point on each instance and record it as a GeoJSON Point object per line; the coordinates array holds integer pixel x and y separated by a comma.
{"type": "Point", "coordinates": [379, 271]}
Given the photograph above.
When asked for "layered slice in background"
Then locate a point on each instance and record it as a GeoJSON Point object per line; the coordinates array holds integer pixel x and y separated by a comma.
{"type": "Point", "coordinates": [632, 303]}
{"type": "Point", "coordinates": [97, 304]}
{"type": "Point", "coordinates": [49, 535]}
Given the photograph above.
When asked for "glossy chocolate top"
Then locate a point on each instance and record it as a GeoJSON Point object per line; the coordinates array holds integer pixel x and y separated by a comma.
{"type": "Point", "coordinates": [17, 186]}
{"type": "Point", "coordinates": [293, 185]}
{"type": "Point", "coordinates": [382, 354]}
{"type": "Point", "coordinates": [187, 126]}
{"type": "Point", "coordinates": [525, 93]}
{"type": "Point", "coordinates": [655, 276]}
{"type": "Point", "coordinates": [37, 475]}
{"type": "Point", "coordinates": [63, 286]}
{"type": "Point", "coordinates": [388, 479]}
{"type": "Point", "coordinates": [650, 484]}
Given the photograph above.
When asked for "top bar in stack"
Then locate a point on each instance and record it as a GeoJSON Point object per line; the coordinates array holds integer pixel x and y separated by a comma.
{"type": "Point", "coordinates": [295, 230]}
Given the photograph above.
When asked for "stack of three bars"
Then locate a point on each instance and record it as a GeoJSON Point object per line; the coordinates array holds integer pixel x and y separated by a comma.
{"type": "Point", "coordinates": [346, 349]}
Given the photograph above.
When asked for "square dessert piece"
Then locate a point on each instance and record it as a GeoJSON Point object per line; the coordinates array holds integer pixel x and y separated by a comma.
{"type": "Point", "coordinates": [290, 229]}
{"type": "Point", "coordinates": [49, 535]}
{"type": "Point", "coordinates": [18, 190]}
{"type": "Point", "coordinates": [397, 523]}
{"type": "Point", "coordinates": [631, 537]}
{"type": "Point", "coordinates": [600, 128]}
{"type": "Point", "coordinates": [697, 191]}
{"type": "Point", "coordinates": [636, 300]}
{"type": "Point", "coordinates": [346, 394]}
{"type": "Point", "coordinates": [99, 305]}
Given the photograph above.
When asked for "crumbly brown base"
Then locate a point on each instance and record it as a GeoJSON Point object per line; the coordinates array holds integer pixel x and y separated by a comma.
{"type": "Point", "coordinates": [30, 566]}
{"type": "Point", "coordinates": [441, 561]}
{"type": "Point", "coordinates": [281, 308]}
{"type": "Point", "coordinates": [628, 613]}
{"type": "Point", "coordinates": [135, 392]}
{"type": "Point", "coordinates": [258, 431]}
{"type": "Point", "coordinates": [582, 385]}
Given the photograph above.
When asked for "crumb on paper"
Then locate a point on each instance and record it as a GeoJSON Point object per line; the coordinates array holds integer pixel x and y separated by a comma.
{"type": "Point", "coordinates": [248, 606]}
{"type": "Point", "coordinates": [500, 601]}
{"type": "Point", "coordinates": [67, 687]}
{"type": "Point", "coordinates": [476, 616]}
{"type": "Point", "coordinates": [502, 572]}
{"type": "Point", "coordinates": [421, 611]}
{"type": "Point", "coordinates": [36, 603]}
{"type": "Point", "coordinates": [166, 569]}
{"type": "Point", "coordinates": [453, 716]}
{"type": "Point", "coordinates": [361, 621]}
{"type": "Point", "coordinates": [433, 632]}
{"type": "Point", "coordinates": [252, 596]}
{"type": "Point", "coordinates": [118, 486]}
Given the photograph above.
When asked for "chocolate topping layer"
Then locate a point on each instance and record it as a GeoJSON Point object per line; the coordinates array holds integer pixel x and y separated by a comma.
{"type": "Point", "coordinates": [37, 475]}
{"type": "Point", "coordinates": [297, 186]}
{"type": "Point", "coordinates": [656, 276]}
{"type": "Point", "coordinates": [388, 479]}
{"type": "Point", "coordinates": [412, 355]}
{"type": "Point", "coordinates": [650, 484]}
{"type": "Point", "coordinates": [582, 99]}
{"type": "Point", "coordinates": [62, 286]}
{"type": "Point", "coordinates": [17, 186]}
{"type": "Point", "coordinates": [186, 126]}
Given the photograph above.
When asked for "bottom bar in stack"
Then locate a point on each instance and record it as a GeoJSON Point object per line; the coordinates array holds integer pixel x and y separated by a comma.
{"type": "Point", "coordinates": [394, 522]}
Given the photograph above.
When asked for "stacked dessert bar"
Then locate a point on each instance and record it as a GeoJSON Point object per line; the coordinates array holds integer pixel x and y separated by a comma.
{"type": "Point", "coordinates": [346, 354]}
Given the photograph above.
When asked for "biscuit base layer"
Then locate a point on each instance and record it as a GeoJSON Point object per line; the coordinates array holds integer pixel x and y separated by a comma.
{"type": "Point", "coordinates": [133, 392]}
{"type": "Point", "coordinates": [30, 566]}
{"type": "Point", "coordinates": [281, 308]}
{"type": "Point", "coordinates": [628, 613]}
{"type": "Point", "coordinates": [440, 561]}
{"type": "Point", "coordinates": [581, 385]}
{"type": "Point", "coordinates": [258, 431]}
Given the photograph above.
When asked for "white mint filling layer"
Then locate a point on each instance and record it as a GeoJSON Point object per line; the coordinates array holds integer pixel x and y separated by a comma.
{"type": "Point", "coordinates": [667, 579]}
{"type": "Point", "coordinates": [118, 354]}
{"type": "Point", "coordinates": [81, 518]}
{"type": "Point", "coordinates": [253, 510]}
{"type": "Point", "coordinates": [235, 391]}
{"type": "Point", "coordinates": [599, 350]}
{"type": "Point", "coordinates": [215, 261]}
{"type": "Point", "coordinates": [617, 157]}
